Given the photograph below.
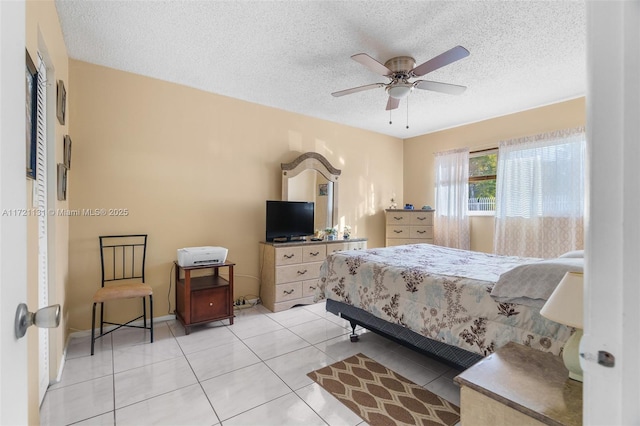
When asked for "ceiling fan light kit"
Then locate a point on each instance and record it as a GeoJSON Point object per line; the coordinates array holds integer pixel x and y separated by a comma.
{"type": "Point", "coordinates": [401, 69]}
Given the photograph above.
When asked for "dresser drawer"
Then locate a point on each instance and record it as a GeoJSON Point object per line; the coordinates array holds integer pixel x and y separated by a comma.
{"type": "Point", "coordinates": [314, 253]}
{"type": "Point", "coordinates": [400, 241]}
{"type": "Point", "coordinates": [210, 304]}
{"type": "Point", "coordinates": [302, 271]}
{"type": "Point", "coordinates": [421, 218]}
{"type": "Point", "coordinates": [288, 291]}
{"type": "Point", "coordinates": [398, 218]}
{"type": "Point", "coordinates": [332, 248]}
{"type": "Point", "coordinates": [421, 232]}
{"type": "Point", "coordinates": [288, 255]}
{"type": "Point", "coordinates": [357, 245]}
{"type": "Point", "coordinates": [309, 287]}
{"type": "Point", "coordinates": [396, 231]}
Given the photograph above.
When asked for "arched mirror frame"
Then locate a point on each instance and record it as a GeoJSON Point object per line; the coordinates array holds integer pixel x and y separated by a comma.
{"type": "Point", "coordinates": [311, 161]}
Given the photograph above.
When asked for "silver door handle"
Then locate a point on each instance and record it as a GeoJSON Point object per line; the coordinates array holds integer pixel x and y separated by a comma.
{"type": "Point", "coordinates": [48, 317]}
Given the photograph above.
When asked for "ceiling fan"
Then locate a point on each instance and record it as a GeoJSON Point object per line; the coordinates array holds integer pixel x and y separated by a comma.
{"type": "Point", "coordinates": [401, 69]}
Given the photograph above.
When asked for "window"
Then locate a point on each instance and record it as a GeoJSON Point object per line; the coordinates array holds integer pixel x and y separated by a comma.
{"type": "Point", "coordinates": [482, 180]}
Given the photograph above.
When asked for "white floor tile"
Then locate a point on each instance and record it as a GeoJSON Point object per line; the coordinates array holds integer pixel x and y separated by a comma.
{"type": "Point", "coordinates": [318, 331]}
{"type": "Point", "coordinates": [294, 316]}
{"type": "Point", "coordinates": [85, 368]}
{"type": "Point", "coordinates": [186, 406]}
{"type": "Point", "coordinates": [77, 402]}
{"type": "Point", "coordinates": [254, 325]}
{"type": "Point", "coordinates": [134, 356]}
{"type": "Point", "coordinates": [275, 343]}
{"type": "Point", "coordinates": [206, 338]}
{"type": "Point", "coordinates": [445, 388]}
{"type": "Point", "coordinates": [106, 419]}
{"type": "Point", "coordinates": [136, 385]}
{"type": "Point", "coordinates": [242, 374]}
{"type": "Point", "coordinates": [241, 390]}
{"type": "Point", "coordinates": [294, 366]}
{"type": "Point", "coordinates": [327, 406]}
{"type": "Point", "coordinates": [417, 373]}
{"type": "Point", "coordinates": [220, 360]}
{"type": "Point", "coordinates": [286, 410]}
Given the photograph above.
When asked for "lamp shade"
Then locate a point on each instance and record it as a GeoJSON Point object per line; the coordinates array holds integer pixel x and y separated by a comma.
{"type": "Point", "coordinates": [565, 305]}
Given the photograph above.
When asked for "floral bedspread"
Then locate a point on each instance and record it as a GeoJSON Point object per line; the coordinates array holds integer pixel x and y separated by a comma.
{"type": "Point", "coordinates": [441, 293]}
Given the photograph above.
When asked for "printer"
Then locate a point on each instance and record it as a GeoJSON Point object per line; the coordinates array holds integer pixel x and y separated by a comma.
{"type": "Point", "coordinates": [201, 256]}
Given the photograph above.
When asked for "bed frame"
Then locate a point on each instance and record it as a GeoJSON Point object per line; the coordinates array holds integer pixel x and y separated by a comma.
{"type": "Point", "coordinates": [450, 355]}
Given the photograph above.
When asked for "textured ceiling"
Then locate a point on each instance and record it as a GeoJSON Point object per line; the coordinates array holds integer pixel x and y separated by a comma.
{"type": "Point", "coordinates": [292, 55]}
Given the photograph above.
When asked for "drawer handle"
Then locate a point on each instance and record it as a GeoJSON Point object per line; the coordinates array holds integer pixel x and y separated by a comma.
{"type": "Point", "coordinates": [289, 256]}
{"type": "Point", "coordinates": [210, 303]}
{"type": "Point", "coordinates": [398, 218]}
{"type": "Point", "coordinates": [421, 232]}
{"type": "Point", "coordinates": [421, 218]}
{"type": "Point", "coordinates": [287, 291]}
{"type": "Point", "coordinates": [397, 231]}
{"type": "Point", "coordinates": [302, 272]}
{"type": "Point", "coordinates": [311, 287]}
{"type": "Point", "coordinates": [314, 254]}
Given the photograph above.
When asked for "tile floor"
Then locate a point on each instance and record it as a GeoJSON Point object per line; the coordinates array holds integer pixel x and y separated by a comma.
{"type": "Point", "coordinates": [250, 373]}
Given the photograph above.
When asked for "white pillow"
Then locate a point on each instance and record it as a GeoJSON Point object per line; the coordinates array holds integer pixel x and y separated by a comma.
{"type": "Point", "coordinates": [572, 254]}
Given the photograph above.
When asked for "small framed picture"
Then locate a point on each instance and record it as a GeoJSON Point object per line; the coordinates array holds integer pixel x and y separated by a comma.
{"type": "Point", "coordinates": [62, 182]}
{"type": "Point", "coordinates": [61, 101]}
{"type": "Point", "coordinates": [67, 151]}
{"type": "Point", "coordinates": [323, 189]}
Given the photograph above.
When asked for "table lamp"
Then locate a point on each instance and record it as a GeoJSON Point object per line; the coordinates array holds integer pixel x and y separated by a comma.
{"type": "Point", "coordinates": [565, 306]}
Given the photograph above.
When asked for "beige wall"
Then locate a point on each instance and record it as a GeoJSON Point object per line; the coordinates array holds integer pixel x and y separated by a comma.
{"type": "Point", "coordinates": [194, 168]}
{"type": "Point", "coordinates": [418, 161]}
{"type": "Point", "coordinates": [44, 35]}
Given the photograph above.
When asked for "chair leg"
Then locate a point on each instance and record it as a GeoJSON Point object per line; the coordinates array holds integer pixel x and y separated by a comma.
{"type": "Point", "coordinates": [151, 315]}
{"type": "Point", "coordinates": [93, 327]}
{"type": "Point", "coordinates": [144, 313]}
{"type": "Point", "coordinates": [101, 318]}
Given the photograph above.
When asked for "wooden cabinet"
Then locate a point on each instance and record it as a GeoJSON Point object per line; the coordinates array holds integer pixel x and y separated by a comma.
{"type": "Point", "coordinates": [290, 271]}
{"type": "Point", "coordinates": [408, 227]}
{"type": "Point", "coordinates": [518, 385]}
{"type": "Point", "coordinates": [202, 295]}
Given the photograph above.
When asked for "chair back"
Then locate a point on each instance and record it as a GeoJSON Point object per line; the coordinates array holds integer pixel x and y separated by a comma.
{"type": "Point", "coordinates": [123, 257]}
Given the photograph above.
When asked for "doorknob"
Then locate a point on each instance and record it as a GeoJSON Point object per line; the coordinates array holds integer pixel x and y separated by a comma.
{"type": "Point", "coordinates": [48, 317]}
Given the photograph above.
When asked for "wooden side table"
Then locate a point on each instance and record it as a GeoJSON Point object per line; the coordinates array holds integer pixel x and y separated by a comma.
{"type": "Point", "coordinates": [203, 299]}
{"type": "Point", "coordinates": [519, 385]}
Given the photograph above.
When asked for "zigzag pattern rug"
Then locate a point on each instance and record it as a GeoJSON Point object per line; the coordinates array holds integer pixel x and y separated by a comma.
{"type": "Point", "coordinates": [382, 397]}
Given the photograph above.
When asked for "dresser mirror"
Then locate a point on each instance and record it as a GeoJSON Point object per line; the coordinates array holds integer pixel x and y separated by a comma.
{"type": "Point", "coordinates": [311, 177]}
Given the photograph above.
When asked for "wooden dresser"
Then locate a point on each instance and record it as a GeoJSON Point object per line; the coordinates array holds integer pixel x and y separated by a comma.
{"type": "Point", "coordinates": [290, 271]}
{"type": "Point", "coordinates": [408, 227]}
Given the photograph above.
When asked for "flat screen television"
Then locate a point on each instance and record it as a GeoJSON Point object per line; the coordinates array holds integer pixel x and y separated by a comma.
{"type": "Point", "coordinates": [287, 220]}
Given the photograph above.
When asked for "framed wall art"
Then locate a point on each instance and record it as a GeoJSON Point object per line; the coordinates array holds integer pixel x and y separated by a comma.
{"type": "Point", "coordinates": [67, 151]}
{"type": "Point", "coordinates": [61, 101]}
{"type": "Point", "coordinates": [62, 182]}
{"type": "Point", "coordinates": [32, 116]}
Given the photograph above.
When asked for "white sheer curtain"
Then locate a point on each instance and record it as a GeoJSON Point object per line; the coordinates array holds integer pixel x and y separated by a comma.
{"type": "Point", "coordinates": [540, 194]}
{"type": "Point", "coordinates": [451, 223]}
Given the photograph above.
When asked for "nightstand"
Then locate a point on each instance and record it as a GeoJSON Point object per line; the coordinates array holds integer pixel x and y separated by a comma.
{"type": "Point", "coordinates": [519, 385]}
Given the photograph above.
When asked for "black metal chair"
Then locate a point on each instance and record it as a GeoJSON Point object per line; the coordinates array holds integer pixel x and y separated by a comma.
{"type": "Point", "coordinates": [123, 259]}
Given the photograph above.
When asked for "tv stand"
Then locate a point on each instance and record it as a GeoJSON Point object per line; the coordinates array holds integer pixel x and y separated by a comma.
{"type": "Point", "coordinates": [290, 270]}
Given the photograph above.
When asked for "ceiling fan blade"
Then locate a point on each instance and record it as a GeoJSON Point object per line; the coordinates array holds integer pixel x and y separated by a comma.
{"type": "Point", "coordinates": [392, 103]}
{"type": "Point", "coordinates": [452, 89]}
{"type": "Point", "coordinates": [372, 64]}
{"type": "Point", "coordinates": [357, 89]}
{"type": "Point", "coordinates": [440, 61]}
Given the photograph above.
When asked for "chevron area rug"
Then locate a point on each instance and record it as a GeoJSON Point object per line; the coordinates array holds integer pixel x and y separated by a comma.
{"type": "Point", "coordinates": [382, 397]}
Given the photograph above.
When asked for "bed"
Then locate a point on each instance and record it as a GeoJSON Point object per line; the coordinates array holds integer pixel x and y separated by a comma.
{"type": "Point", "coordinates": [456, 305]}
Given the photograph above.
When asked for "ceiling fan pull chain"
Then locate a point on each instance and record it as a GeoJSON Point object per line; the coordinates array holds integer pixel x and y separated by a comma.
{"type": "Point", "coordinates": [407, 112]}
{"type": "Point", "coordinates": [390, 122]}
